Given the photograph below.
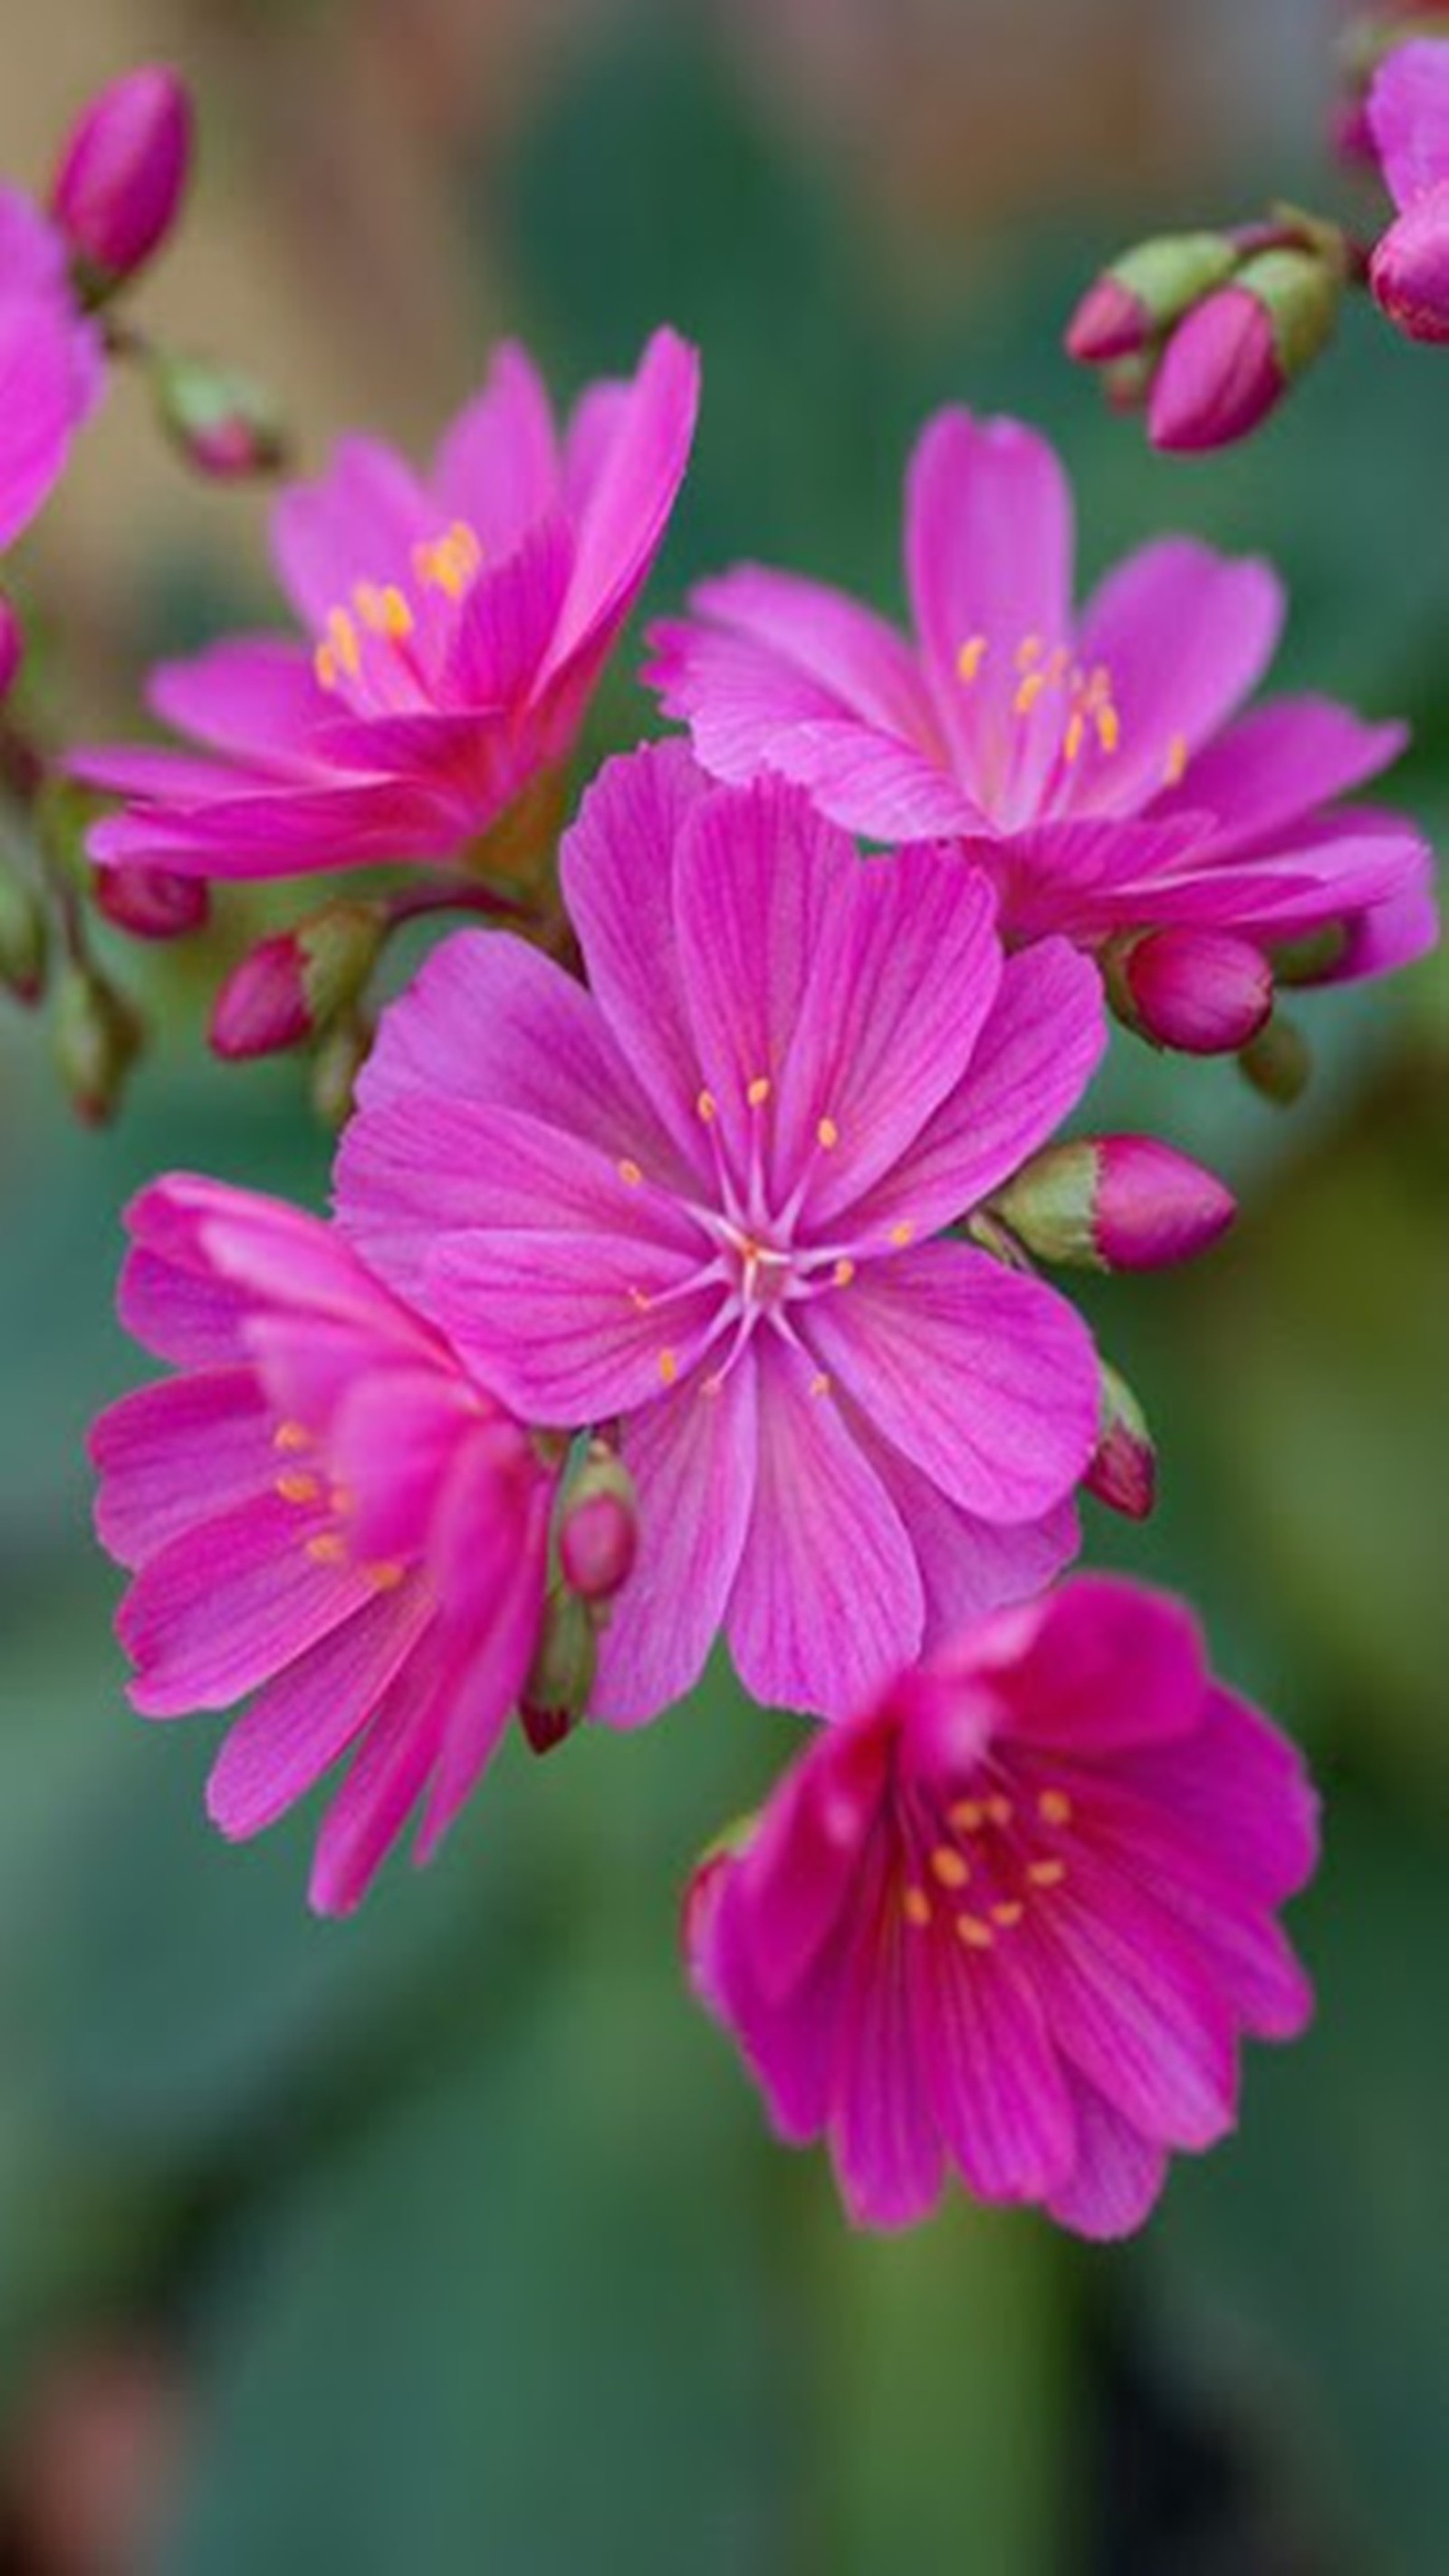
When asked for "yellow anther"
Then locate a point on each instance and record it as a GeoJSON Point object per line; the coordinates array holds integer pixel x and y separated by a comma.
{"type": "Point", "coordinates": [966, 1816]}
{"type": "Point", "coordinates": [821, 1383]}
{"type": "Point", "coordinates": [324, 664]}
{"type": "Point", "coordinates": [1029, 650]}
{"type": "Point", "coordinates": [970, 658]}
{"type": "Point", "coordinates": [1075, 736]}
{"type": "Point", "coordinates": [386, 1574]}
{"type": "Point", "coordinates": [1008, 1914]}
{"type": "Point", "coordinates": [1054, 668]}
{"type": "Point", "coordinates": [1028, 693]}
{"type": "Point", "coordinates": [1175, 764]}
{"type": "Point", "coordinates": [382, 607]}
{"type": "Point", "coordinates": [327, 1548]}
{"type": "Point", "coordinates": [342, 1500]}
{"type": "Point", "coordinates": [916, 1907]}
{"type": "Point", "coordinates": [450, 561]}
{"type": "Point", "coordinates": [1109, 727]}
{"type": "Point", "coordinates": [758, 1091]}
{"type": "Point", "coordinates": [342, 636]}
{"type": "Point", "coordinates": [668, 1367]}
{"type": "Point", "coordinates": [844, 1271]}
{"type": "Point", "coordinates": [998, 1811]}
{"type": "Point", "coordinates": [1046, 1873]}
{"type": "Point", "coordinates": [903, 1233]}
{"type": "Point", "coordinates": [630, 1173]}
{"type": "Point", "coordinates": [706, 1107]}
{"type": "Point", "coordinates": [291, 1435]}
{"type": "Point", "coordinates": [1054, 1807]}
{"type": "Point", "coordinates": [298, 1487]}
{"type": "Point", "coordinates": [827, 1134]}
{"type": "Point", "coordinates": [976, 1934]}
{"type": "Point", "coordinates": [948, 1866]}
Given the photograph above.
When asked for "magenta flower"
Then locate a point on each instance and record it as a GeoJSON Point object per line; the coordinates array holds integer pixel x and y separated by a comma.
{"type": "Point", "coordinates": [51, 366]}
{"type": "Point", "coordinates": [1013, 1920]}
{"type": "Point", "coordinates": [123, 170]}
{"type": "Point", "coordinates": [323, 1509]}
{"type": "Point", "coordinates": [709, 1198]}
{"type": "Point", "coordinates": [1094, 765]}
{"type": "Point", "coordinates": [457, 626]}
{"type": "Point", "coordinates": [1408, 116]}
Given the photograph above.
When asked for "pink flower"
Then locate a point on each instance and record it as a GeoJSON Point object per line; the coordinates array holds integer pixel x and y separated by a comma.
{"type": "Point", "coordinates": [457, 627]}
{"type": "Point", "coordinates": [709, 1197]}
{"type": "Point", "coordinates": [1013, 1920]}
{"type": "Point", "coordinates": [123, 171]}
{"type": "Point", "coordinates": [324, 1509]}
{"type": "Point", "coordinates": [51, 367]}
{"type": "Point", "coordinates": [1095, 765]}
{"type": "Point", "coordinates": [1408, 116]}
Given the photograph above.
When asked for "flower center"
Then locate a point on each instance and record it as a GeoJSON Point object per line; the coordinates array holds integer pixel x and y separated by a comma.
{"type": "Point", "coordinates": [327, 1508]}
{"type": "Point", "coordinates": [982, 1864]}
{"type": "Point", "coordinates": [369, 641]}
{"type": "Point", "coordinates": [1047, 702]}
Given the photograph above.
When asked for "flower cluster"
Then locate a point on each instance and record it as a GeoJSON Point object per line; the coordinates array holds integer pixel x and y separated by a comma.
{"type": "Point", "coordinates": [683, 1290]}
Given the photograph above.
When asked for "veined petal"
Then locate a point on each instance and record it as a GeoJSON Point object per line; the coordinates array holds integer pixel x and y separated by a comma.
{"type": "Point", "coordinates": [305, 1719]}
{"type": "Point", "coordinates": [497, 467]}
{"type": "Point", "coordinates": [170, 1453]}
{"type": "Point", "coordinates": [357, 520]}
{"type": "Point", "coordinates": [250, 696]}
{"type": "Point", "coordinates": [1110, 1666]}
{"type": "Point", "coordinates": [1118, 2173]}
{"type": "Point", "coordinates": [886, 2144]}
{"type": "Point", "coordinates": [1185, 634]}
{"type": "Point", "coordinates": [625, 498]}
{"type": "Point", "coordinates": [572, 1328]}
{"type": "Point", "coordinates": [229, 1604]}
{"type": "Point", "coordinates": [998, 2093]}
{"type": "Point", "coordinates": [1273, 766]}
{"type": "Point", "coordinates": [385, 1781]}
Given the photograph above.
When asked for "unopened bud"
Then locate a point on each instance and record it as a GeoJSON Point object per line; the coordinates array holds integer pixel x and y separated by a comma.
{"type": "Point", "coordinates": [121, 173]}
{"type": "Point", "coordinates": [1114, 1203]}
{"type": "Point", "coordinates": [1147, 289]}
{"type": "Point", "coordinates": [1279, 1062]}
{"type": "Point", "coordinates": [1235, 355]}
{"type": "Point", "coordinates": [151, 903]}
{"type": "Point", "coordinates": [1123, 1472]}
{"type": "Point", "coordinates": [1409, 270]}
{"type": "Point", "coordinates": [556, 1693]}
{"type": "Point", "coordinates": [23, 937]}
{"type": "Point", "coordinates": [224, 424]}
{"type": "Point", "coordinates": [1205, 992]}
{"type": "Point", "coordinates": [12, 646]}
{"type": "Point", "coordinates": [598, 1536]}
{"type": "Point", "coordinates": [289, 987]}
{"type": "Point", "coordinates": [96, 1038]}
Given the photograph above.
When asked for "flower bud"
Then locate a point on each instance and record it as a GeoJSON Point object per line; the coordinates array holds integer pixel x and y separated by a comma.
{"type": "Point", "coordinates": [1278, 1063]}
{"type": "Point", "coordinates": [1123, 1471]}
{"type": "Point", "coordinates": [122, 171]}
{"type": "Point", "coordinates": [151, 903]}
{"type": "Point", "coordinates": [289, 987]}
{"type": "Point", "coordinates": [1205, 992]}
{"type": "Point", "coordinates": [96, 1038]}
{"type": "Point", "coordinates": [1149, 287]}
{"type": "Point", "coordinates": [1409, 270]}
{"type": "Point", "coordinates": [223, 423]}
{"type": "Point", "coordinates": [1235, 355]}
{"type": "Point", "coordinates": [12, 646]}
{"type": "Point", "coordinates": [23, 937]}
{"type": "Point", "coordinates": [1114, 1203]}
{"type": "Point", "coordinates": [556, 1693]}
{"type": "Point", "coordinates": [598, 1535]}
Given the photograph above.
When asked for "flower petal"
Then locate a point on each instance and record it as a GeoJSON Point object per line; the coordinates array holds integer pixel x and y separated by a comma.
{"type": "Point", "coordinates": [1184, 634]}
{"type": "Point", "coordinates": [299, 1725]}
{"type": "Point", "coordinates": [229, 1604]}
{"type": "Point", "coordinates": [572, 1328]}
{"type": "Point", "coordinates": [177, 1452]}
{"type": "Point", "coordinates": [1276, 764]}
{"type": "Point", "coordinates": [357, 522]}
{"type": "Point", "coordinates": [497, 466]}
{"type": "Point", "coordinates": [997, 2091]}
{"type": "Point", "coordinates": [1118, 2174]}
{"type": "Point", "coordinates": [625, 500]}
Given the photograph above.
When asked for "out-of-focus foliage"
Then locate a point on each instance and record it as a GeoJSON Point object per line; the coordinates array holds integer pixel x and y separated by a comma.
{"type": "Point", "coordinates": [457, 2221]}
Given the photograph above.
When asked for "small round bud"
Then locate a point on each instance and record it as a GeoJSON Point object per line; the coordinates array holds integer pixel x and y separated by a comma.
{"type": "Point", "coordinates": [151, 903]}
{"type": "Point", "coordinates": [1114, 1203]}
{"type": "Point", "coordinates": [1409, 270]}
{"type": "Point", "coordinates": [1123, 1471]}
{"type": "Point", "coordinates": [96, 1038]}
{"type": "Point", "coordinates": [122, 173]}
{"type": "Point", "coordinates": [1205, 992]}
{"type": "Point", "coordinates": [1148, 288]}
{"type": "Point", "coordinates": [598, 1535]}
{"type": "Point", "coordinates": [290, 987]}
{"type": "Point", "coordinates": [224, 424]}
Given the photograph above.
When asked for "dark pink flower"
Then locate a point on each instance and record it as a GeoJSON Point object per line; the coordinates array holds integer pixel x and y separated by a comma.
{"type": "Point", "coordinates": [1096, 765]}
{"type": "Point", "coordinates": [51, 366]}
{"type": "Point", "coordinates": [1408, 115]}
{"type": "Point", "coordinates": [709, 1198]}
{"type": "Point", "coordinates": [122, 171]}
{"type": "Point", "coordinates": [1013, 1921]}
{"type": "Point", "coordinates": [322, 1508]}
{"type": "Point", "coordinates": [457, 625]}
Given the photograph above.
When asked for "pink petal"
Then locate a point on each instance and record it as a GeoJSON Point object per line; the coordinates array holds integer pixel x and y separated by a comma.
{"type": "Point", "coordinates": [1274, 765]}
{"type": "Point", "coordinates": [176, 1453]}
{"type": "Point", "coordinates": [1132, 2009]}
{"type": "Point", "coordinates": [255, 696]}
{"type": "Point", "coordinates": [296, 1728]}
{"type": "Point", "coordinates": [1185, 634]}
{"type": "Point", "coordinates": [692, 1458]}
{"type": "Point", "coordinates": [883, 2134]}
{"type": "Point", "coordinates": [1393, 934]}
{"type": "Point", "coordinates": [998, 2095]}
{"type": "Point", "coordinates": [229, 1604]}
{"type": "Point", "coordinates": [382, 1787]}
{"type": "Point", "coordinates": [626, 500]}
{"type": "Point", "coordinates": [970, 1566]}
{"type": "Point", "coordinates": [1408, 114]}
{"type": "Point", "coordinates": [507, 621]}
{"type": "Point", "coordinates": [1240, 1791]}
{"type": "Point", "coordinates": [497, 468]}
{"type": "Point", "coordinates": [861, 664]}
{"type": "Point", "coordinates": [827, 1602]}
{"type": "Point", "coordinates": [986, 1379]}
{"type": "Point", "coordinates": [491, 1555]}
{"type": "Point", "coordinates": [1118, 2174]}
{"type": "Point", "coordinates": [39, 406]}
{"type": "Point", "coordinates": [871, 784]}
{"type": "Point", "coordinates": [285, 830]}
{"type": "Point", "coordinates": [572, 1328]}
{"type": "Point", "coordinates": [357, 522]}
{"type": "Point", "coordinates": [1111, 1666]}
{"type": "Point", "coordinates": [800, 1876]}
{"type": "Point", "coordinates": [391, 1441]}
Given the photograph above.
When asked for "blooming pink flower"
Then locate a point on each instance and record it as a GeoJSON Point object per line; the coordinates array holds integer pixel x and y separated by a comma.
{"type": "Point", "coordinates": [1095, 765]}
{"type": "Point", "coordinates": [323, 1508]}
{"type": "Point", "coordinates": [457, 626]}
{"type": "Point", "coordinates": [709, 1197]}
{"type": "Point", "coordinates": [51, 366]}
{"type": "Point", "coordinates": [1013, 1920]}
{"type": "Point", "coordinates": [1408, 116]}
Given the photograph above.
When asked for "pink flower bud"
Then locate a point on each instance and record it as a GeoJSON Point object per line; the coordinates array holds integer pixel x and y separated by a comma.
{"type": "Point", "coordinates": [122, 172]}
{"type": "Point", "coordinates": [1123, 1471]}
{"type": "Point", "coordinates": [291, 986]}
{"type": "Point", "coordinates": [225, 426]}
{"type": "Point", "coordinates": [1203, 991]}
{"type": "Point", "coordinates": [1109, 322]}
{"type": "Point", "coordinates": [1409, 271]}
{"type": "Point", "coordinates": [1235, 354]}
{"type": "Point", "coordinates": [151, 903]}
{"type": "Point", "coordinates": [1144, 291]}
{"type": "Point", "coordinates": [1114, 1203]}
{"type": "Point", "coordinates": [556, 1693]}
{"type": "Point", "coordinates": [598, 1534]}
{"type": "Point", "coordinates": [12, 646]}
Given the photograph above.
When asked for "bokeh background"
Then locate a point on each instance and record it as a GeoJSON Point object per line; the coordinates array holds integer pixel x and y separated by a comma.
{"type": "Point", "coordinates": [448, 2239]}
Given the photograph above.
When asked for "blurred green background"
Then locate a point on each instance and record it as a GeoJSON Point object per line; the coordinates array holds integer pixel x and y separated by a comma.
{"type": "Point", "coordinates": [449, 2239]}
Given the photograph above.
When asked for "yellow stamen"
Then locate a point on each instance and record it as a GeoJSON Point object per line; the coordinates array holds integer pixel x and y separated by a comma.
{"type": "Point", "coordinates": [385, 1575]}
{"type": "Point", "coordinates": [828, 1134]}
{"type": "Point", "coordinates": [327, 1548]}
{"type": "Point", "coordinates": [1029, 650]}
{"type": "Point", "coordinates": [902, 1234]}
{"type": "Point", "coordinates": [976, 1934]}
{"type": "Point", "coordinates": [844, 1271]}
{"type": "Point", "coordinates": [1109, 728]}
{"type": "Point", "coordinates": [948, 1866]}
{"type": "Point", "coordinates": [706, 1107]}
{"type": "Point", "coordinates": [1177, 758]}
{"type": "Point", "coordinates": [966, 1816]}
{"type": "Point", "coordinates": [998, 1810]}
{"type": "Point", "coordinates": [1028, 693]}
{"type": "Point", "coordinates": [820, 1384]}
{"type": "Point", "coordinates": [758, 1092]}
{"type": "Point", "coordinates": [630, 1173]}
{"type": "Point", "coordinates": [291, 1435]}
{"type": "Point", "coordinates": [668, 1367]}
{"type": "Point", "coordinates": [916, 1907]}
{"type": "Point", "coordinates": [970, 658]}
{"type": "Point", "coordinates": [342, 636]}
{"type": "Point", "coordinates": [1008, 1914]}
{"type": "Point", "coordinates": [1054, 1807]}
{"type": "Point", "coordinates": [1075, 736]}
{"type": "Point", "coordinates": [296, 1487]}
{"type": "Point", "coordinates": [1046, 1873]}
{"type": "Point", "coordinates": [324, 664]}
